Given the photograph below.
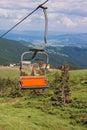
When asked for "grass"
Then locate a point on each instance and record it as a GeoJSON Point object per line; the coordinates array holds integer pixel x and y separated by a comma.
{"type": "Point", "coordinates": [28, 118]}
{"type": "Point", "coordinates": [36, 112]}
{"type": "Point", "coordinates": [8, 72]}
{"type": "Point", "coordinates": [78, 74]}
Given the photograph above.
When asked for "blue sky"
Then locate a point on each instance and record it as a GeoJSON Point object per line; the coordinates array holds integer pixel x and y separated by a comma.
{"type": "Point", "coordinates": [63, 15]}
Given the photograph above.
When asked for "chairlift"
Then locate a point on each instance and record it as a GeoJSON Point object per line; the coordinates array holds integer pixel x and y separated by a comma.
{"type": "Point", "coordinates": [29, 81]}
{"type": "Point", "coordinates": [32, 81]}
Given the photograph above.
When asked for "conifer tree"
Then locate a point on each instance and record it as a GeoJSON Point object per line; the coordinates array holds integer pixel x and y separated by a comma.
{"type": "Point", "coordinates": [61, 84]}
{"type": "Point", "coordinates": [65, 91]}
{"type": "Point", "coordinates": [56, 98]}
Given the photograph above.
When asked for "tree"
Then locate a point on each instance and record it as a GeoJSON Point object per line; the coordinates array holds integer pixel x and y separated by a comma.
{"type": "Point", "coordinates": [61, 83]}
{"type": "Point", "coordinates": [56, 98]}
{"type": "Point", "coordinates": [65, 91]}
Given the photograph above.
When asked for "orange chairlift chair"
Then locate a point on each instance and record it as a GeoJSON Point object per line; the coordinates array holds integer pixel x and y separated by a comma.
{"type": "Point", "coordinates": [35, 81]}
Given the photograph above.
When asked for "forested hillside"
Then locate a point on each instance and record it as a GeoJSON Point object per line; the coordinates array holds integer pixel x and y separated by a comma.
{"type": "Point", "coordinates": [10, 51]}
{"type": "Point", "coordinates": [73, 55]}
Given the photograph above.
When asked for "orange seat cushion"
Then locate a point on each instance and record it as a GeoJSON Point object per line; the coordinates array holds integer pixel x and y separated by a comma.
{"type": "Point", "coordinates": [32, 81]}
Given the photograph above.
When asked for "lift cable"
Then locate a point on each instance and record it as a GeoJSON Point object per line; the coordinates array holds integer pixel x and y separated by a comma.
{"type": "Point", "coordinates": [40, 6]}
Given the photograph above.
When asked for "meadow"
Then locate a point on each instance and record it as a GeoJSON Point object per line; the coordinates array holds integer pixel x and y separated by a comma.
{"type": "Point", "coordinates": [34, 111]}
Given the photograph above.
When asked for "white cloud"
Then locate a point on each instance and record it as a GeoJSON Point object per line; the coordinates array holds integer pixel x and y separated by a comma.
{"type": "Point", "coordinates": [69, 6]}
{"type": "Point", "coordinates": [67, 21]}
{"type": "Point", "coordinates": [81, 20]}
{"type": "Point", "coordinates": [52, 15]}
{"type": "Point", "coordinates": [64, 14]}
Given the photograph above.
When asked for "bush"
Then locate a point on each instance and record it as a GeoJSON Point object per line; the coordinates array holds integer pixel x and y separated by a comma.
{"type": "Point", "coordinates": [9, 88]}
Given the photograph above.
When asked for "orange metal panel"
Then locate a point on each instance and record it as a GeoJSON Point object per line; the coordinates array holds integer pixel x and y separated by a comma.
{"type": "Point", "coordinates": [33, 81]}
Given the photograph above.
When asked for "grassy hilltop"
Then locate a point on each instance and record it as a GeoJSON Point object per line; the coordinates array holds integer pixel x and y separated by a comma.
{"type": "Point", "coordinates": [33, 111]}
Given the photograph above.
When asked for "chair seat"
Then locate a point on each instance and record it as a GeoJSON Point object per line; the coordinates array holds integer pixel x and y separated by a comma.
{"type": "Point", "coordinates": [33, 82]}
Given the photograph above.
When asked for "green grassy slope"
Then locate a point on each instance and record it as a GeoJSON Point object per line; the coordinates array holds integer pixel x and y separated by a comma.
{"type": "Point", "coordinates": [8, 72]}
{"type": "Point", "coordinates": [36, 112]}
{"type": "Point", "coordinates": [13, 117]}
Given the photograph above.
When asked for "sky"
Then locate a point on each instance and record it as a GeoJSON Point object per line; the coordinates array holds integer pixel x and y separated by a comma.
{"type": "Point", "coordinates": [63, 15]}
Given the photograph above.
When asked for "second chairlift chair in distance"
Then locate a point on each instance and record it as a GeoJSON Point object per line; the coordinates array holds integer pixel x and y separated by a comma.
{"type": "Point", "coordinates": [38, 81]}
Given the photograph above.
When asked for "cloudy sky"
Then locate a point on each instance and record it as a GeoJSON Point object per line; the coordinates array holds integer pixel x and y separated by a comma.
{"type": "Point", "coordinates": [63, 15]}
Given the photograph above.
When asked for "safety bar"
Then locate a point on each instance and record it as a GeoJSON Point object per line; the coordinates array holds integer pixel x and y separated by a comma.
{"type": "Point", "coordinates": [31, 52]}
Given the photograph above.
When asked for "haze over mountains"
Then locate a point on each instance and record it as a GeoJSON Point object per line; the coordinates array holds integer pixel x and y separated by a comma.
{"type": "Point", "coordinates": [54, 38]}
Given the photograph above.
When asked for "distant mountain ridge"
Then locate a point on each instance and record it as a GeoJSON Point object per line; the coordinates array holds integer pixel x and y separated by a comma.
{"type": "Point", "coordinates": [73, 40]}
{"type": "Point", "coordinates": [11, 50]}
{"type": "Point", "coordinates": [54, 38]}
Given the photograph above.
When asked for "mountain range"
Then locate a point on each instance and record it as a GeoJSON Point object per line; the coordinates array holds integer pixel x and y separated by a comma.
{"type": "Point", "coordinates": [54, 38]}
{"type": "Point", "coordinates": [71, 48]}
